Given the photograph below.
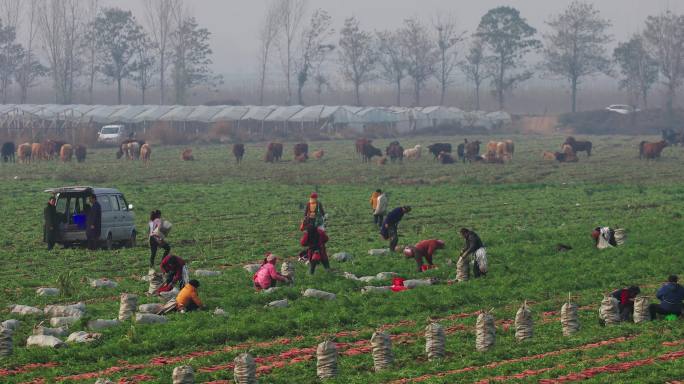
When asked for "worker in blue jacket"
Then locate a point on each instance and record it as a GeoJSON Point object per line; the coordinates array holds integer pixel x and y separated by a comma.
{"type": "Point", "coordinates": [671, 295]}
{"type": "Point", "coordinates": [389, 226]}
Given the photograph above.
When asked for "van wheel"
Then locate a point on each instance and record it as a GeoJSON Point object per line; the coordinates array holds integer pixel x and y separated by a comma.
{"type": "Point", "coordinates": [130, 243]}
{"type": "Point", "coordinates": [109, 244]}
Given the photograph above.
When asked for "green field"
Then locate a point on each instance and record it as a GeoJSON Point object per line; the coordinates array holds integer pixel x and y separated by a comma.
{"type": "Point", "coordinates": [226, 216]}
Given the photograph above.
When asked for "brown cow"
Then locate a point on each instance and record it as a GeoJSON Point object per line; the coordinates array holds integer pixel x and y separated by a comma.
{"type": "Point", "coordinates": [567, 155]}
{"type": "Point", "coordinates": [319, 154]}
{"type": "Point", "coordinates": [492, 146]}
{"type": "Point", "coordinates": [301, 152]}
{"type": "Point", "coordinates": [66, 152]}
{"type": "Point", "coordinates": [146, 153]}
{"type": "Point", "coordinates": [37, 152]}
{"type": "Point", "coordinates": [395, 152]}
{"type": "Point", "coordinates": [360, 144]}
{"type": "Point", "coordinates": [24, 153]}
{"type": "Point", "coordinates": [651, 150]}
{"type": "Point", "coordinates": [53, 149]}
{"type": "Point", "coordinates": [187, 155]}
{"type": "Point", "coordinates": [578, 146]}
{"type": "Point", "coordinates": [445, 158]}
{"type": "Point", "coordinates": [238, 152]}
{"type": "Point", "coordinates": [80, 152]}
{"type": "Point", "coordinates": [276, 152]}
{"type": "Point", "coordinates": [472, 150]}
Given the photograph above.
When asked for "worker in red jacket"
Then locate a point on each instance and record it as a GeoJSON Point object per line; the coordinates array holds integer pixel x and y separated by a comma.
{"type": "Point", "coordinates": [314, 240]}
{"type": "Point", "coordinates": [176, 272]}
{"type": "Point", "coordinates": [424, 249]}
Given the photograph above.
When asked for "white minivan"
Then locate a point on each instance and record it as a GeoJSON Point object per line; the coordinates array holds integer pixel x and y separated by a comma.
{"type": "Point", "coordinates": [118, 220]}
{"type": "Point", "coordinates": [111, 134]}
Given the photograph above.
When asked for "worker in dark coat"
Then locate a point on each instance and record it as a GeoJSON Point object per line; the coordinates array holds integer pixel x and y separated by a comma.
{"type": "Point", "coordinates": [390, 226]}
{"type": "Point", "coordinates": [51, 223]}
{"type": "Point", "coordinates": [93, 223]}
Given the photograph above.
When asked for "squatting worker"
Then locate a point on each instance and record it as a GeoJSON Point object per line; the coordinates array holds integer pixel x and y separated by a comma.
{"type": "Point", "coordinates": [389, 230]}
{"type": "Point", "coordinates": [93, 223]}
{"type": "Point", "coordinates": [474, 247]}
{"type": "Point", "coordinates": [187, 299]}
{"type": "Point", "coordinates": [314, 213]}
{"type": "Point", "coordinates": [671, 295]}
{"type": "Point", "coordinates": [423, 249]}
{"type": "Point", "coordinates": [51, 223]}
{"type": "Point", "coordinates": [267, 276]}
{"type": "Point", "coordinates": [625, 298]}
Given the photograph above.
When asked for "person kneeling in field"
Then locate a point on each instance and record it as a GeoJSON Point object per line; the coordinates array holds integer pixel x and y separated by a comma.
{"type": "Point", "coordinates": [176, 272]}
{"type": "Point", "coordinates": [188, 299]}
{"type": "Point", "coordinates": [671, 295]}
{"type": "Point", "coordinates": [625, 298]}
{"type": "Point", "coordinates": [426, 249]}
{"type": "Point", "coordinates": [475, 247]}
{"type": "Point", "coordinates": [314, 240]}
{"type": "Point", "coordinates": [267, 275]}
{"type": "Point", "coordinates": [606, 237]}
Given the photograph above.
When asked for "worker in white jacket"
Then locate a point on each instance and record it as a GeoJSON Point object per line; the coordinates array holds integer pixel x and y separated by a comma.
{"type": "Point", "coordinates": [380, 208]}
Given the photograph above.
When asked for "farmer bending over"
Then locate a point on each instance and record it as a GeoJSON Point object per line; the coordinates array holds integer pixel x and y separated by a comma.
{"type": "Point", "coordinates": [188, 299]}
{"type": "Point", "coordinates": [670, 295]}
{"type": "Point", "coordinates": [267, 275]}
{"type": "Point", "coordinates": [625, 298]}
{"type": "Point", "coordinates": [389, 230]}
{"type": "Point", "coordinates": [606, 237]}
{"type": "Point", "coordinates": [314, 240]}
{"type": "Point", "coordinates": [176, 272]}
{"type": "Point", "coordinates": [426, 249]}
{"type": "Point", "coordinates": [475, 247]}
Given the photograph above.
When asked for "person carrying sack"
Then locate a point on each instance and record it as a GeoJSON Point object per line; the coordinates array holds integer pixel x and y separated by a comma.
{"type": "Point", "coordinates": [314, 240]}
{"type": "Point", "coordinates": [380, 208]}
{"type": "Point", "coordinates": [606, 237]}
{"type": "Point", "coordinates": [475, 248]}
{"type": "Point", "coordinates": [157, 236]}
{"type": "Point", "coordinates": [267, 276]}
{"type": "Point", "coordinates": [423, 249]}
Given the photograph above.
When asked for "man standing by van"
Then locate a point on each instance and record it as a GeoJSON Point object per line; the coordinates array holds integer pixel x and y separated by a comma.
{"type": "Point", "coordinates": [51, 223]}
{"type": "Point", "coordinates": [93, 223]}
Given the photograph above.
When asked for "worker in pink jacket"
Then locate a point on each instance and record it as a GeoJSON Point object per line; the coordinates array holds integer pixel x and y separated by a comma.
{"type": "Point", "coordinates": [267, 275]}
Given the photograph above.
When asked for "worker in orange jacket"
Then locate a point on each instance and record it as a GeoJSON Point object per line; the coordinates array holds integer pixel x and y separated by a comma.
{"type": "Point", "coordinates": [188, 299]}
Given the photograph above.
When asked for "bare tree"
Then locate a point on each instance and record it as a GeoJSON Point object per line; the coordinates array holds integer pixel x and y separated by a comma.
{"type": "Point", "coordinates": [664, 37]}
{"type": "Point", "coordinates": [291, 13]}
{"type": "Point", "coordinates": [392, 58]}
{"type": "Point", "coordinates": [473, 67]}
{"type": "Point", "coordinates": [143, 68]}
{"type": "Point", "coordinates": [160, 21]}
{"type": "Point", "coordinates": [60, 26]}
{"type": "Point", "coordinates": [11, 12]}
{"type": "Point", "coordinates": [576, 45]}
{"type": "Point", "coordinates": [268, 33]}
{"type": "Point", "coordinates": [90, 47]}
{"type": "Point", "coordinates": [313, 48]}
{"type": "Point", "coordinates": [448, 38]}
{"type": "Point", "coordinates": [507, 38]}
{"type": "Point", "coordinates": [357, 56]}
{"type": "Point", "coordinates": [421, 57]}
{"type": "Point", "coordinates": [639, 69]}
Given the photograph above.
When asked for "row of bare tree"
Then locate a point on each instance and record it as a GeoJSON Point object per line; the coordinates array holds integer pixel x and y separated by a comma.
{"type": "Point", "coordinates": [574, 48]}
{"type": "Point", "coordinates": [76, 42]}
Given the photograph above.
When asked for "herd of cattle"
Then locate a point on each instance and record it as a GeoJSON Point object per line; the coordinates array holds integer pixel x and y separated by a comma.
{"type": "Point", "coordinates": [496, 152]}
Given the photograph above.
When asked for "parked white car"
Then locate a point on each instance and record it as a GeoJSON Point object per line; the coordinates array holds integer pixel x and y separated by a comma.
{"type": "Point", "coordinates": [111, 134]}
{"type": "Point", "coordinates": [622, 109]}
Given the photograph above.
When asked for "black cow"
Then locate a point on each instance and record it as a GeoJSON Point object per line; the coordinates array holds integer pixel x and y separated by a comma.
{"type": "Point", "coordinates": [369, 151]}
{"type": "Point", "coordinates": [438, 148]}
{"type": "Point", "coordinates": [7, 152]}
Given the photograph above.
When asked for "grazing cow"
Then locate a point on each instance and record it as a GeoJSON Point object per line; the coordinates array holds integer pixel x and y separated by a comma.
{"type": "Point", "coordinates": [491, 158]}
{"type": "Point", "coordinates": [472, 150]}
{"type": "Point", "coordinates": [53, 149]}
{"type": "Point", "coordinates": [80, 152]}
{"type": "Point", "coordinates": [567, 154]}
{"type": "Point", "coordinates": [438, 148]}
{"type": "Point", "coordinates": [578, 146]}
{"type": "Point", "coordinates": [445, 158]}
{"type": "Point", "coordinates": [187, 155]}
{"type": "Point", "coordinates": [66, 152]}
{"type": "Point", "coordinates": [319, 154]}
{"type": "Point", "coordinates": [369, 151]}
{"type": "Point", "coordinates": [360, 144]}
{"type": "Point", "coordinates": [651, 150]}
{"type": "Point", "coordinates": [503, 151]}
{"type": "Point", "coordinates": [413, 153]}
{"type": "Point", "coordinates": [274, 152]}
{"type": "Point", "coordinates": [301, 151]}
{"type": "Point", "coordinates": [7, 152]}
{"type": "Point", "coordinates": [146, 153]}
{"type": "Point", "coordinates": [395, 151]}
{"type": "Point", "coordinates": [238, 152]}
{"type": "Point", "coordinates": [24, 153]}
{"type": "Point", "coordinates": [130, 148]}
{"type": "Point", "coordinates": [492, 146]}
{"type": "Point", "coordinates": [37, 152]}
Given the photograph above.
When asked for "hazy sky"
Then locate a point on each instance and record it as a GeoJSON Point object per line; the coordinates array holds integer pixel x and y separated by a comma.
{"type": "Point", "coordinates": [234, 23]}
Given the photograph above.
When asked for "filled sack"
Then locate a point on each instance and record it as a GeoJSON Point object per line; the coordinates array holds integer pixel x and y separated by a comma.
{"type": "Point", "coordinates": [25, 310]}
{"type": "Point", "coordinates": [100, 324]}
{"type": "Point", "coordinates": [206, 273]}
{"type": "Point", "coordinates": [149, 308]}
{"type": "Point", "coordinates": [149, 318]}
{"type": "Point", "coordinates": [382, 351]}
{"type": "Point", "coordinates": [183, 375]}
{"type": "Point", "coordinates": [463, 269]}
{"type": "Point", "coordinates": [609, 311]}
{"type": "Point", "coordinates": [103, 283]}
{"type": "Point", "coordinates": [83, 337]}
{"type": "Point", "coordinates": [485, 332]}
{"type": "Point", "coordinates": [524, 324]}
{"type": "Point", "coordinates": [44, 341]}
{"type": "Point", "coordinates": [570, 318]}
{"type": "Point", "coordinates": [435, 341]}
{"type": "Point", "coordinates": [6, 343]}
{"type": "Point", "coordinates": [319, 294]}
{"type": "Point", "coordinates": [76, 310]}
{"type": "Point", "coordinates": [641, 312]}
{"type": "Point", "coordinates": [57, 332]}
{"type": "Point", "coordinates": [127, 305]}
{"type": "Point", "coordinates": [63, 321]}
{"type": "Point", "coordinates": [245, 369]}
{"type": "Point", "coordinates": [326, 360]}
{"type": "Point", "coordinates": [47, 291]}
{"type": "Point", "coordinates": [277, 304]}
